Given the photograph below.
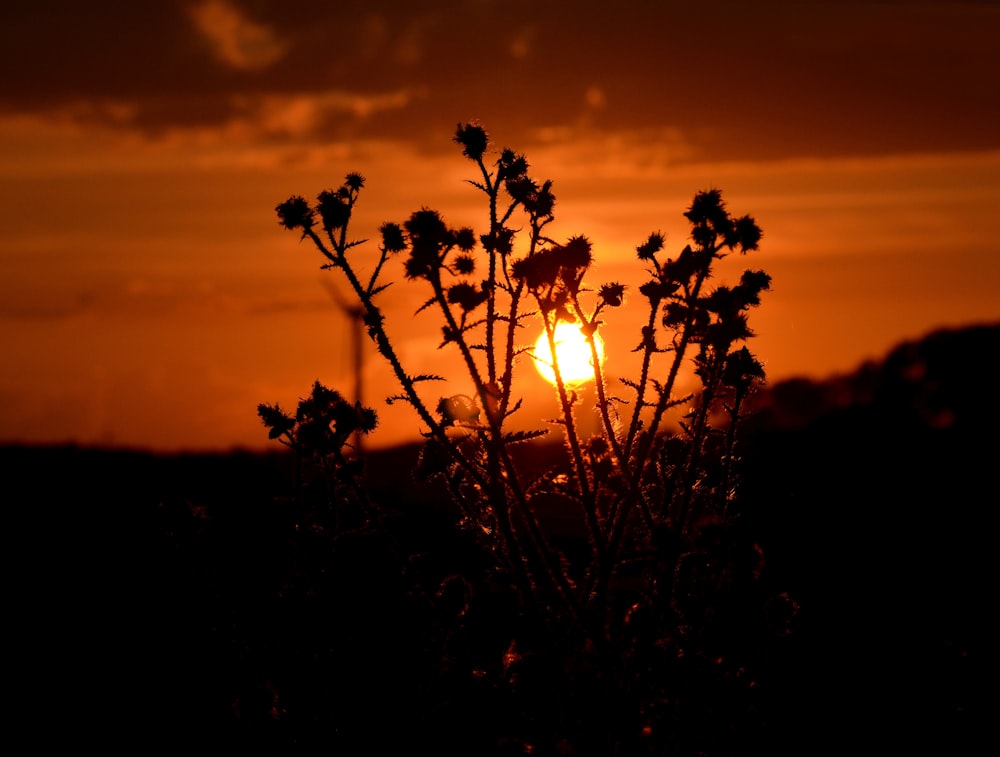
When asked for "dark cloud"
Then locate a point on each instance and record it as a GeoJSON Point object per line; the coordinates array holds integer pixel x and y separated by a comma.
{"type": "Point", "coordinates": [739, 80]}
{"type": "Point", "coordinates": [56, 51]}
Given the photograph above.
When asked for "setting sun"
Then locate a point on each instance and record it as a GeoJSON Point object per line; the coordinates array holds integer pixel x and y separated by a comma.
{"type": "Point", "coordinates": [572, 352]}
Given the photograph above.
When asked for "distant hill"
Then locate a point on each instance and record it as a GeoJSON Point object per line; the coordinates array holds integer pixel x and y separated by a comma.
{"type": "Point", "coordinates": [873, 494]}
{"type": "Point", "coordinates": [944, 378]}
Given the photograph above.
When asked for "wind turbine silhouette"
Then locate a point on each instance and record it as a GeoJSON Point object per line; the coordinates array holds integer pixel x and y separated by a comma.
{"type": "Point", "coordinates": [355, 315]}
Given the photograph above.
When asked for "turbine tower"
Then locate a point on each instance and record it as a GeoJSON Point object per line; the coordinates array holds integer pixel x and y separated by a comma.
{"type": "Point", "coordinates": [355, 316]}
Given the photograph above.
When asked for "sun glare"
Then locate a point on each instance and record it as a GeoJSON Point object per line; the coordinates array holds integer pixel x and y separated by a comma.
{"type": "Point", "coordinates": [572, 352]}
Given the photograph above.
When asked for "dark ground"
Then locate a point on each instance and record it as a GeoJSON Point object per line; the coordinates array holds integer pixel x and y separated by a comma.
{"type": "Point", "coordinates": [168, 600]}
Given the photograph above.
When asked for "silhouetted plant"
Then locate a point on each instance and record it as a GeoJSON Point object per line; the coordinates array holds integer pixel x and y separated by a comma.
{"type": "Point", "coordinates": [663, 566]}
{"type": "Point", "coordinates": [317, 433]}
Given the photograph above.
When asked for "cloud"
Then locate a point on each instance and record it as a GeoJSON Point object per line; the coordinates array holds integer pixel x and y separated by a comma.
{"type": "Point", "coordinates": [595, 98]}
{"type": "Point", "coordinates": [781, 81]}
{"type": "Point", "coordinates": [521, 44]}
{"type": "Point", "coordinates": [235, 39]}
{"type": "Point", "coordinates": [301, 114]}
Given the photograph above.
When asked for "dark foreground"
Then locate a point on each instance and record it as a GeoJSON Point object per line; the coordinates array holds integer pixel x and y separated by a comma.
{"type": "Point", "coordinates": [178, 601]}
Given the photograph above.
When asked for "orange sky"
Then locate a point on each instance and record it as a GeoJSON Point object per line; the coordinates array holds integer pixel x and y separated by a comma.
{"type": "Point", "coordinates": [150, 298]}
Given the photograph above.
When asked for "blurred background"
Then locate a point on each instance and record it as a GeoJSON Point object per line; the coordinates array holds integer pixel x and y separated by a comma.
{"type": "Point", "coordinates": [151, 300]}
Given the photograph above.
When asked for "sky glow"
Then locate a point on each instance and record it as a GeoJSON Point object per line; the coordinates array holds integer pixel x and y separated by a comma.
{"type": "Point", "coordinates": [151, 299]}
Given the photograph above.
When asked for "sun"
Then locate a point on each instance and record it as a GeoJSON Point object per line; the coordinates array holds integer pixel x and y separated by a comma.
{"type": "Point", "coordinates": [572, 351]}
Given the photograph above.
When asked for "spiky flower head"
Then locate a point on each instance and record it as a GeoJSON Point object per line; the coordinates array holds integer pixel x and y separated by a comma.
{"type": "Point", "coordinates": [577, 253]}
{"type": "Point", "coordinates": [464, 264]}
{"type": "Point", "coordinates": [612, 294]}
{"type": "Point", "coordinates": [748, 233]}
{"type": "Point", "coordinates": [295, 213]}
{"type": "Point", "coordinates": [521, 188]}
{"type": "Point", "coordinates": [511, 166]}
{"type": "Point", "coordinates": [651, 246]}
{"type": "Point", "coordinates": [543, 202]}
{"type": "Point", "coordinates": [752, 283]}
{"type": "Point", "coordinates": [537, 271]}
{"type": "Point", "coordinates": [502, 241]}
{"type": "Point", "coordinates": [466, 296]}
{"type": "Point", "coordinates": [742, 369]}
{"type": "Point", "coordinates": [354, 181]}
{"type": "Point", "coordinates": [458, 408]}
{"type": "Point", "coordinates": [426, 225]}
{"type": "Point", "coordinates": [474, 140]}
{"type": "Point", "coordinates": [706, 208]}
{"type": "Point", "coordinates": [465, 239]}
{"type": "Point", "coordinates": [429, 237]}
{"type": "Point", "coordinates": [277, 420]}
{"type": "Point", "coordinates": [656, 290]}
{"type": "Point", "coordinates": [392, 237]}
{"type": "Point", "coordinates": [334, 209]}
